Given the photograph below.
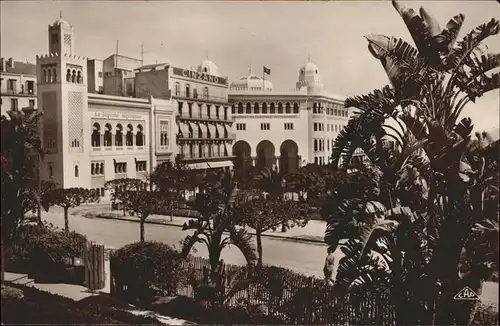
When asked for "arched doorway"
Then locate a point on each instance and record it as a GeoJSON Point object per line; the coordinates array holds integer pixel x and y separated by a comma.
{"type": "Point", "coordinates": [289, 156]}
{"type": "Point", "coordinates": [265, 155]}
{"type": "Point", "coordinates": [242, 151]}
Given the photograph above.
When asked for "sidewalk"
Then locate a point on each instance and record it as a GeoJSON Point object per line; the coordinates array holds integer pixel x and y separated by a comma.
{"type": "Point", "coordinates": [313, 232]}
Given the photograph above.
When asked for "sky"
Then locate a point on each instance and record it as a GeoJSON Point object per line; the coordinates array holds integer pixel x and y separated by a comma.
{"type": "Point", "coordinates": [237, 34]}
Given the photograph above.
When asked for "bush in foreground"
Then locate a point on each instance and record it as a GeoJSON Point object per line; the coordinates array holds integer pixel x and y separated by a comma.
{"type": "Point", "coordinates": [39, 307]}
{"type": "Point", "coordinates": [148, 269]}
{"type": "Point", "coordinates": [45, 244]}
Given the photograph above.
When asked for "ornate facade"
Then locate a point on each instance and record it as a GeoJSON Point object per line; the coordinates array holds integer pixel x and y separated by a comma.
{"type": "Point", "coordinates": [285, 129]}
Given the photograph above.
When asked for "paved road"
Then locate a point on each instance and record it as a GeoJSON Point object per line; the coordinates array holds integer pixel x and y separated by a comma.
{"type": "Point", "coordinates": [303, 258]}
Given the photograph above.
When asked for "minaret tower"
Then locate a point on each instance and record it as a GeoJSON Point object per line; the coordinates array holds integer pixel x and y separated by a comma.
{"type": "Point", "coordinates": [62, 96]}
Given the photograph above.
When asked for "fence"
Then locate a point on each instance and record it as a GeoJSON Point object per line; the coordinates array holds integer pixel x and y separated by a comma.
{"type": "Point", "coordinates": [95, 278]}
{"type": "Point", "coordinates": [294, 298]}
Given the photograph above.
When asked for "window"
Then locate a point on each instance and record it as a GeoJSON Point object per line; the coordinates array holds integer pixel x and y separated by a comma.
{"type": "Point", "coordinates": [139, 137]}
{"type": "Point", "coordinates": [13, 104]}
{"type": "Point", "coordinates": [241, 126]}
{"type": "Point", "coordinates": [248, 108]}
{"type": "Point", "coordinates": [179, 108]}
{"type": "Point", "coordinates": [233, 109]}
{"type": "Point", "coordinates": [140, 166]}
{"type": "Point", "coordinates": [77, 172]}
{"type": "Point", "coordinates": [328, 144]}
{"type": "Point", "coordinates": [75, 143]}
{"type": "Point", "coordinates": [240, 108]}
{"type": "Point", "coordinates": [272, 109]}
{"type": "Point", "coordinates": [188, 90]}
{"type": "Point", "coordinates": [315, 145]}
{"type": "Point", "coordinates": [164, 133]}
{"type": "Point", "coordinates": [32, 103]}
{"type": "Point", "coordinates": [107, 135]}
{"type": "Point", "coordinates": [288, 126]}
{"type": "Point", "coordinates": [314, 108]}
{"type": "Point", "coordinates": [295, 108]}
{"type": "Point", "coordinates": [205, 93]}
{"type": "Point", "coordinates": [129, 138]}
{"type": "Point", "coordinates": [177, 89]}
{"type": "Point", "coordinates": [99, 74]}
{"type": "Point", "coordinates": [256, 108]}
{"type": "Point", "coordinates": [265, 126]}
{"type": "Point", "coordinates": [315, 126]}
{"type": "Point", "coordinates": [30, 86]}
{"type": "Point", "coordinates": [328, 127]}
{"type": "Point", "coordinates": [280, 108]}
{"type": "Point", "coordinates": [208, 111]}
{"type": "Point", "coordinates": [190, 109]}
{"type": "Point", "coordinates": [315, 160]}
{"type": "Point", "coordinates": [195, 93]}
{"type": "Point", "coordinates": [288, 108]}
{"type": "Point", "coordinates": [11, 85]}
{"type": "Point", "coordinates": [200, 150]}
{"type": "Point", "coordinates": [51, 170]}
{"type": "Point", "coordinates": [264, 108]}
{"type": "Point", "coordinates": [101, 90]}
{"type": "Point", "coordinates": [121, 167]}
{"type": "Point", "coordinates": [97, 168]}
{"type": "Point", "coordinates": [119, 135]}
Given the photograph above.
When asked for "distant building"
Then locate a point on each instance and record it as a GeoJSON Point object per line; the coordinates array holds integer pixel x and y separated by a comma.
{"type": "Point", "coordinates": [285, 129]}
{"type": "Point", "coordinates": [17, 85]}
{"type": "Point", "coordinates": [95, 76]}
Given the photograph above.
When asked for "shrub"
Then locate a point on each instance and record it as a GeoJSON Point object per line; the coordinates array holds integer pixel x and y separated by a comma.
{"type": "Point", "coordinates": [10, 293]}
{"type": "Point", "coordinates": [148, 269]}
{"type": "Point", "coordinates": [42, 249]}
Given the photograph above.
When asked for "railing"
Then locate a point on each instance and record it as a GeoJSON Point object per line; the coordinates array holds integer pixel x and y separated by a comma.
{"type": "Point", "coordinates": [200, 97]}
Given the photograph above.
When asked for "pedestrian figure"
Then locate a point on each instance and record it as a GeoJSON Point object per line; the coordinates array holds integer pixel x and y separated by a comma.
{"type": "Point", "coordinates": [329, 264]}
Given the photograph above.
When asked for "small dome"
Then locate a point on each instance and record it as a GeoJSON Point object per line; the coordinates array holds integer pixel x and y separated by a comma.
{"type": "Point", "coordinates": [61, 22]}
{"type": "Point", "coordinates": [309, 69]}
{"type": "Point", "coordinates": [252, 82]}
{"type": "Point", "coordinates": [209, 67]}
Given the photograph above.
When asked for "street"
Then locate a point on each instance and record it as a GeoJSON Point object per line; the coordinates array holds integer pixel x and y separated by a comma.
{"type": "Point", "coordinates": [304, 258]}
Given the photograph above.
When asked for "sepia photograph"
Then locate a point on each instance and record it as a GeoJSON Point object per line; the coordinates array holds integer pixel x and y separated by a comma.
{"type": "Point", "coordinates": [177, 162]}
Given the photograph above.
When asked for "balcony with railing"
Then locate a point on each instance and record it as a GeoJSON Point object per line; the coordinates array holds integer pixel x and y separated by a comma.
{"type": "Point", "coordinates": [191, 96]}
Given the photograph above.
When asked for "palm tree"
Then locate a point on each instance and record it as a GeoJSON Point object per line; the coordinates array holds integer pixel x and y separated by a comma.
{"type": "Point", "coordinates": [216, 226]}
{"type": "Point", "coordinates": [433, 184]}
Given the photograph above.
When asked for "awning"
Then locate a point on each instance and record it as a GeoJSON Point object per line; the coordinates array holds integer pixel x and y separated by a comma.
{"type": "Point", "coordinates": [194, 127]}
{"type": "Point", "coordinates": [211, 129]}
{"type": "Point", "coordinates": [204, 129]}
{"type": "Point", "coordinates": [184, 130]}
{"type": "Point", "coordinates": [221, 129]}
{"type": "Point", "coordinates": [210, 165]}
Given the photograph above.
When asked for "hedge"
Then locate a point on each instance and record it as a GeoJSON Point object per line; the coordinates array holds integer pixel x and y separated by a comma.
{"type": "Point", "coordinates": [42, 251]}
{"type": "Point", "coordinates": [149, 269]}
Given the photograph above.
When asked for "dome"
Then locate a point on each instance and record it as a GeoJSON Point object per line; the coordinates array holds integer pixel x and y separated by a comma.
{"type": "Point", "coordinates": [209, 67]}
{"type": "Point", "coordinates": [252, 82]}
{"type": "Point", "coordinates": [61, 22]}
{"type": "Point", "coordinates": [309, 69]}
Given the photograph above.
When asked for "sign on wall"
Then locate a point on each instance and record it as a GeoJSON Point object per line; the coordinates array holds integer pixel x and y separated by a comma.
{"type": "Point", "coordinates": [200, 76]}
{"type": "Point", "coordinates": [116, 115]}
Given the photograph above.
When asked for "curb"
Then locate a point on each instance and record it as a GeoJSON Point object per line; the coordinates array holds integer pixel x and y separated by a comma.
{"type": "Point", "coordinates": [272, 236]}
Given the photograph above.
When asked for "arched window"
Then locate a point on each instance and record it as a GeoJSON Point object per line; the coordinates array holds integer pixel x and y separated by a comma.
{"type": "Point", "coordinates": [205, 92]}
{"type": "Point", "coordinates": [119, 135]}
{"type": "Point", "coordinates": [73, 76]}
{"type": "Point", "coordinates": [233, 109]}
{"type": "Point", "coordinates": [49, 76]}
{"type": "Point", "coordinates": [44, 75]}
{"type": "Point", "coordinates": [54, 75]}
{"type": "Point", "coordinates": [68, 75]}
{"type": "Point", "coordinates": [249, 109]}
{"type": "Point", "coordinates": [96, 135]}
{"type": "Point", "coordinates": [195, 93]}
{"type": "Point", "coordinates": [264, 108]}
{"type": "Point", "coordinates": [177, 89]}
{"type": "Point", "coordinates": [107, 135]}
{"type": "Point", "coordinates": [77, 173]}
{"type": "Point", "coordinates": [240, 108]}
{"type": "Point", "coordinates": [139, 137]}
{"type": "Point", "coordinates": [280, 108]}
{"type": "Point", "coordinates": [79, 78]}
{"type": "Point", "coordinates": [129, 138]}
{"type": "Point", "coordinates": [295, 108]}
{"type": "Point", "coordinates": [101, 169]}
{"type": "Point", "coordinates": [288, 108]}
{"type": "Point", "coordinates": [315, 108]}
{"type": "Point", "coordinates": [256, 108]}
{"type": "Point", "coordinates": [188, 90]}
{"type": "Point", "coordinates": [272, 109]}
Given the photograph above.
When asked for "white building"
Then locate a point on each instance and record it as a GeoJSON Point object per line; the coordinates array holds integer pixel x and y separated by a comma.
{"type": "Point", "coordinates": [285, 129]}
{"type": "Point", "coordinates": [17, 85]}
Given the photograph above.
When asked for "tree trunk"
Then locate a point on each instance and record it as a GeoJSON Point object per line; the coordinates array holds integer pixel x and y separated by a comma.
{"type": "Point", "coordinates": [258, 234]}
{"type": "Point", "coordinates": [39, 214]}
{"type": "Point", "coordinates": [171, 215]}
{"type": "Point", "coordinates": [3, 263]}
{"type": "Point", "coordinates": [142, 228]}
{"type": "Point", "coordinates": [66, 219]}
